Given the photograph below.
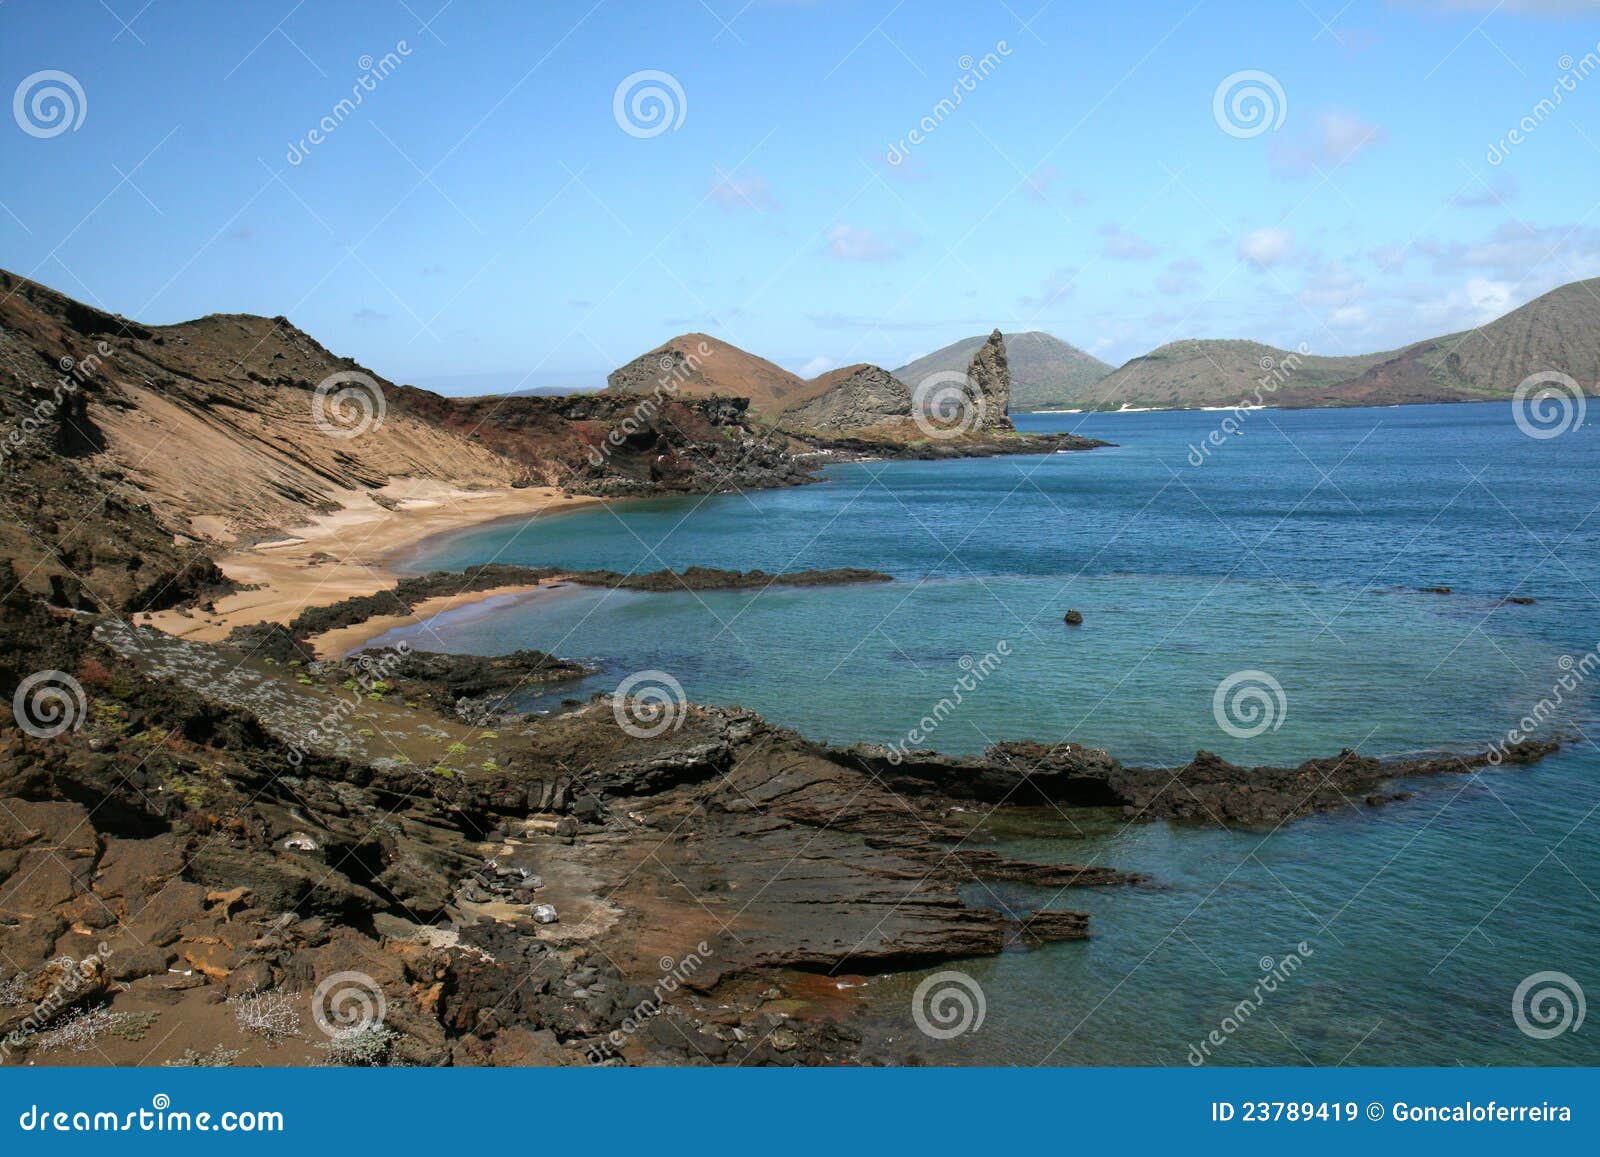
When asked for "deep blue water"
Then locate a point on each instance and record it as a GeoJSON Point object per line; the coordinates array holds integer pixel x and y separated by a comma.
{"type": "Point", "coordinates": [1295, 550]}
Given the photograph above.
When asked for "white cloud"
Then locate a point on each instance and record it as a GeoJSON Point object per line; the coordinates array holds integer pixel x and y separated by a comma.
{"type": "Point", "coordinates": [1480, 300]}
{"type": "Point", "coordinates": [1390, 258]}
{"type": "Point", "coordinates": [852, 244]}
{"type": "Point", "coordinates": [1478, 194]}
{"type": "Point", "coordinates": [1348, 317]}
{"type": "Point", "coordinates": [1180, 277]}
{"type": "Point", "coordinates": [1124, 246]}
{"type": "Point", "coordinates": [1060, 285]}
{"type": "Point", "coordinates": [1332, 286]}
{"type": "Point", "coordinates": [1517, 252]}
{"type": "Point", "coordinates": [1267, 247]}
{"type": "Point", "coordinates": [1337, 138]}
{"type": "Point", "coordinates": [1041, 187]}
{"type": "Point", "coordinates": [734, 192]}
{"type": "Point", "coordinates": [815, 366]}
{"type": "Point", "coordinates": [1524, 7]}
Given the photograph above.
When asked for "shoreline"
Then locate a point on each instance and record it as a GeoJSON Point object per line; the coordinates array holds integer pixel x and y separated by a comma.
{"type": "Point", "coordinates": [342, 642]}
{"type": "Point", "coordinates": [355, 550]}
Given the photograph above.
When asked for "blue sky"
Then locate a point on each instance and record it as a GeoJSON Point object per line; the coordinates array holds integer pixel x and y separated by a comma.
{"type": "Point", "coordinates": [483, 218]}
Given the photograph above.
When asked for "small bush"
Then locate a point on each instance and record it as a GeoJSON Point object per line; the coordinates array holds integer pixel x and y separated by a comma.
{"type": "Point", "coordinates": [217, 1058]}
{"type": "Point", "coordinates": [365, 1047]}
{"type": "Point", "coordinates": [269, 1014]}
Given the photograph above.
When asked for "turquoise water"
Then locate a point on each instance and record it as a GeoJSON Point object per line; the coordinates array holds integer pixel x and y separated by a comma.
{"type": "Point", "coordinates": [1295, 551]}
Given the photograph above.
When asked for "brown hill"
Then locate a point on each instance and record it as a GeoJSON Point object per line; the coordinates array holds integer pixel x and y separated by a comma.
{"type": "Point", "coordinates": [1046, 372]}
{"type": "Point", "coordinates": [697, 365]}
{"type": "Point", "coordinates": [129, 450]}
{"type": "Point", "coordinates": [1201, 372]}
{"type": "Point", "coordinates": [1558, 331]}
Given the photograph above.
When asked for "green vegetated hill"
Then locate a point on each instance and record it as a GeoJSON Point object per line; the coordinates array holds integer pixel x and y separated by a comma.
{"type": "Point", "coordinates": [1559, 331]}
{"type": "Point", "coordinates": [1217, 372]}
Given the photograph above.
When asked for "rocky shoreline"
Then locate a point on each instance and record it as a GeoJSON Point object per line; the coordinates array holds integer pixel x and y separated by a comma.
{"type": "Point", "coordinates": [408, 593]}
{"type": "Point", "coordinates": [232, 825]}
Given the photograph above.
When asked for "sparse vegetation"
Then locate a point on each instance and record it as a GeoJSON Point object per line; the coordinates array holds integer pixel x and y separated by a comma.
{"type": "Point", "coordinates": [267, 1013]}
{"type": "Point", "coordinates": [82, 1027]}
{"type": "Point", "coordinates": [216, 1058]}
{"type": "Point", "coordinates": [365, 1047]}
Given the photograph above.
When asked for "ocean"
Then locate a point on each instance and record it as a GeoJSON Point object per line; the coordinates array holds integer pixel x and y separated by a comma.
{"type": "Point", "coordinates": [1288, 560]}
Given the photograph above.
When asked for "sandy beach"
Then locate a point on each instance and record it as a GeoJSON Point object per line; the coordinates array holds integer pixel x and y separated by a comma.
{"type": "Point", "coordinates": [352, 551]}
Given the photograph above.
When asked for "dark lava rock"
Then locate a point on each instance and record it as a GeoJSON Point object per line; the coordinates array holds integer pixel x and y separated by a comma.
{"type": "Point", "coordinates": [1073, 618]}
{"type": "Point", "coordinates": [268, 641]}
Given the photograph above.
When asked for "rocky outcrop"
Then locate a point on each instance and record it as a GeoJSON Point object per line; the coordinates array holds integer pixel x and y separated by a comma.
{"type": "Point", "coordinates": [859, 397]}
{"type": "Point", "coordinates": [409, 592]}
{"type": "Point", "coordinates": [219, 834]}
{"type": "Point", "coordinates": [617, 444]}
{"type": "Point", "coordinates": [989, 384]}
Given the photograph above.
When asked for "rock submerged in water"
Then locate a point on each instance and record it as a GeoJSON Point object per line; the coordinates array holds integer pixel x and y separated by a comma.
{"type": "Point", "coordinates": [1073, 618]}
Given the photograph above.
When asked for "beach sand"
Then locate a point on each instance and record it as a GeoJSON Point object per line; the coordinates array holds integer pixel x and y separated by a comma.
{"type": "Point", "coordinates": [353, 551]}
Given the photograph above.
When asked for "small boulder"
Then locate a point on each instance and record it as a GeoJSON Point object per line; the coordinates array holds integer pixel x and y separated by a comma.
{"type": "Point", "coordinates": [1073, 618]}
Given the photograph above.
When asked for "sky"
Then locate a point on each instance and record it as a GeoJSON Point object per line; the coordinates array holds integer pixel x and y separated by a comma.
{"type": "Point", "coordinates": [533, 194]}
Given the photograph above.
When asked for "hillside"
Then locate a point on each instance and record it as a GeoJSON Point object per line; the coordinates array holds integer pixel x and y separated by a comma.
{"type": "Point", "coordinates": [1046, 372]}
{"type": "Point", "coordinates": [1196, 372]}
{"type": "Point", "coordinates": [697, 365]}
{"type": "Point", "coordinates": [1558, 331]}
{"type": "Point", "coordinates": [128, 450]}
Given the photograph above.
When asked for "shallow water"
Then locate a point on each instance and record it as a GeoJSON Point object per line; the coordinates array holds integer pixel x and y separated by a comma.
{"type": "Point", "coordinates": [1296, 552]}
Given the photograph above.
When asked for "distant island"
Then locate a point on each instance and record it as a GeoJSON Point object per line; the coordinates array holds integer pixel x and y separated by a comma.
{"type": "Point", "coordinates": [1559, 331]}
